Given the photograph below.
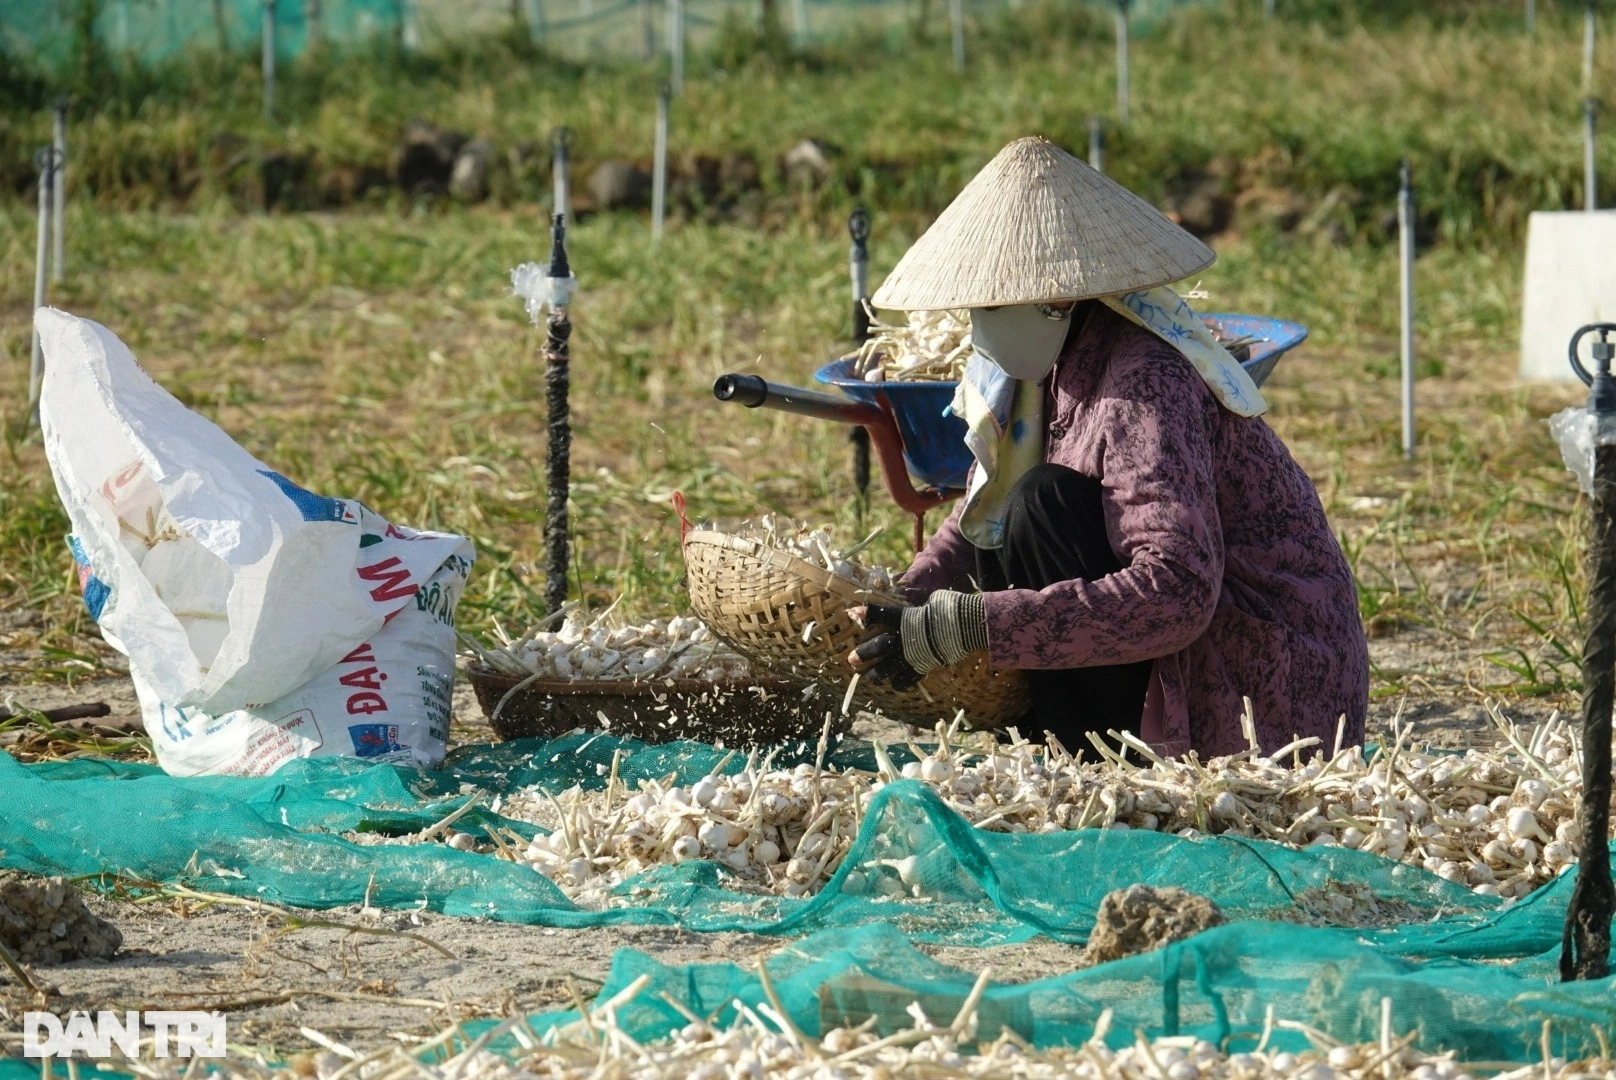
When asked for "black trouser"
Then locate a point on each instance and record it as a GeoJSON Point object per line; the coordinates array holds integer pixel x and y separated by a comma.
{"type": "Point", "coordinates": [1054, 530]}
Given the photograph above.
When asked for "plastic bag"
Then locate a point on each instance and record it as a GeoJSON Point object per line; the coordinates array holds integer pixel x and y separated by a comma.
{"type": "Point", "coordinates": [1578, 431]}
{"type": "Point", "coordinates": [261, 621]}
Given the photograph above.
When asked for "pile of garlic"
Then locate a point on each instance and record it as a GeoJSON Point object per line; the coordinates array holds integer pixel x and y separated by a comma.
{"type": "Point", "coordinates": [817, 546]}
{"type": "Point", "coordinates": [932, 346]}
{"type": "Point", "coordinates": [682, 647]}
{"type": "Point", "coordinates": [762, 1042]}
{"type": "Point", "coordinates": [1499, 821]}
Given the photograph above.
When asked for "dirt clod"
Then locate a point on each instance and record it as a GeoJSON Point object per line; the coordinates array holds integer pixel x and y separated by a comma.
{"type": "Point", "coordinates": [1141, 918]}
{"type": "Point", "coordinates": [44, 922]}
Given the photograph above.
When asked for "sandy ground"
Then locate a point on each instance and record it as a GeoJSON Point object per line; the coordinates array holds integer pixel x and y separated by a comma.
{"type": "Point", "coordinates": [380, 973]}
{"type": "Point", "coordinates": [363, 980]}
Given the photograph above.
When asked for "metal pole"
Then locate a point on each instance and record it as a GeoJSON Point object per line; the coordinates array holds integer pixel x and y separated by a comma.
{"type": "Point", "coordinates": [1531, 16]}
{"type": "Point", "coordinates": [858, 271]}
{"type": "Point", "coordinates": [1585, 941]}
{"type": "Point", "coordinates": [1590, 166]}
{"type": "Point", "coordinates": [1588, 48]}
{"type": "Point", "coordinates": [1122, 62]}
{"type": "Point", "coordinates": [410, 26]}
{"type": "Point", "coordinates": [535, 20]}
{"type": "Point", "coordinates": [269, 59]}
{"type": "Point", "coordinates": [799, 20]}
{"type": "Point", "coordinates": [559, 168]}
{"type": "Point", "coordinates": [956, 16]}
{"type": "Point", "coordinates": [659, 166]}
{"type": "Point", "coordinates": [59, 190]}
{"type": "Point", "coordinates": [558, 422]}
{"type": "Point", "coordinates": [676, 43]}
{"type": "Point", "coordinates": [1097, 144]}
{"type": "Point", "coordinates": [1268, 8]}
{"type": "Point", "coordinates": [46, 162]}
{"type": "Point", "coordinates": [1405, 243]}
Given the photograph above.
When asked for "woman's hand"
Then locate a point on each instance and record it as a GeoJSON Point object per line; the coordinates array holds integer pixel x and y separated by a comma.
{"type": "Point", "coordinates": [882, 655]}
{"type": "Point", "coordinates": [944, 630]}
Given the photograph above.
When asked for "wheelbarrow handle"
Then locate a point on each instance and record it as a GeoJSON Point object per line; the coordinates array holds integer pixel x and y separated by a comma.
{"type": "Point", "coordinates": [754, 391]}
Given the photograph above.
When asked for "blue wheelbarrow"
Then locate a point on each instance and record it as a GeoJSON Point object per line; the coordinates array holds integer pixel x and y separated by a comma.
{"type": "Point", "coordinates": [918, 443]}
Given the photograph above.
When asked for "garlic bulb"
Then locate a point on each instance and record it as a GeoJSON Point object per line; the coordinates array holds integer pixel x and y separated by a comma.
{"type": "Point", "coordinates": [680, 647]}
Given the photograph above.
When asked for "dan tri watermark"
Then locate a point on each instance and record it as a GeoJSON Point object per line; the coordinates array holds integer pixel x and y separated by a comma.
{"type": "Point", "coordinates": [171, 1034]}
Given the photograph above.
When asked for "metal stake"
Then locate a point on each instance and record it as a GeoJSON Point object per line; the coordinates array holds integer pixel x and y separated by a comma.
{"type": "Point", "coordinates": [410, 26]}
{"type": "Point", "coordinates": [799, 20]}
{"type": "Point", "coordinates": [268, 61]}
{"type": "Point", "coordinates": [59, 190]}
{"type": "Point", "coordinates": [535, 20]}
{"type": "Point", "coordinates": [1590, 166]}
{"type": "Point", "coordinates": [1588, 23]}
{"type": "Point", "coordinates": [1405, 243]}
{"type": "Point", "coordinates": [676, 43]}
{"type": "Point", "coordinates": [1268, 8]}
{"type": "Point", "coordinates": [1531, 16]}
{"type": "Point", "coordinates": [1122, 62]}
{"type": "Point", "coordinates": [1097, 144]}
{"type": "Point", "coordinates": [558, 422]}
{"type": "Point", "coordinates": [956, 16]}
{"type": "Point", "coordinates": [562, 200]}
{"type": "Point", "coordinates": [1585, 941]}
{"type": "Point", "coordinates": [45, 161]}
{"type": "Point", "coordinates": [659, 165]}
{"type": "Point", "coordinates": [858, 270]}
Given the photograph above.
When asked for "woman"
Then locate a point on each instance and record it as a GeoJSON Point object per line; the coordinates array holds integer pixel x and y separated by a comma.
{"type": "Point", "coordinates": [1133, 536]}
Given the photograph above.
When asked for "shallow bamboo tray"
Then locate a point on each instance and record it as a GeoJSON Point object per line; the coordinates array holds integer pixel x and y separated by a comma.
{"type": "Point", "coordinates": [659, 710]}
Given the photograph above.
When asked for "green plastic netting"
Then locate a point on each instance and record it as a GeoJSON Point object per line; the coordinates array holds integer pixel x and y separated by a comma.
{"type": "Point", "coordinates": [1467, 973]}
{"type": "Point", "coordinates": [47, 34]}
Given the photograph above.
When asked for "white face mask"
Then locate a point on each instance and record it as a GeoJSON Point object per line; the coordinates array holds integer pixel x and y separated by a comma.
{"type": "Point", "coordinates": [1023, 340]}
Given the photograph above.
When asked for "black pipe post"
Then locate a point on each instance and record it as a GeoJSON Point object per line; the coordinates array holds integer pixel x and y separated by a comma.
{"type": "Point", "coordinates": [1585, 942]}
{"type": "Point", "coordinates": [858, 262]}
{"type": "Point", "coordinates": [558, 423]}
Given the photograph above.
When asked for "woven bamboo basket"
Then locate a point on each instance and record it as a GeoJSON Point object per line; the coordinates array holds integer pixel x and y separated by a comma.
{"type": "Point", "coordinates": [761, 601]}
{"type": "Point", "coordinates": [752, 712]}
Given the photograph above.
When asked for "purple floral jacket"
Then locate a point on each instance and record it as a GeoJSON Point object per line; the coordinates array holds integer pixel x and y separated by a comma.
{"type": "Point", "coordinates": [1232, 580]}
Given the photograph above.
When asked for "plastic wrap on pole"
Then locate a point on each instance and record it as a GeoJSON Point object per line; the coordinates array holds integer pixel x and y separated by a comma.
{"type": "Point", "coordinates": [539, 291]}
{"type": "Point", "coordinates": [1579, 432]}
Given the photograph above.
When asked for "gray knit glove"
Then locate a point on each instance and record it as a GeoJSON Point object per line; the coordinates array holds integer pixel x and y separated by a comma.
{"type": "Point", "coordinates": [944, 630]}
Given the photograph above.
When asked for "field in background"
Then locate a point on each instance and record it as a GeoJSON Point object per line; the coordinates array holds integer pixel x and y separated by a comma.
{"type": "Point", "coordinates": [372, 350]}
{"type": "Point", "coordinates": [381, 357]}
{"type": "Point", "coordinates": [1302, 120]}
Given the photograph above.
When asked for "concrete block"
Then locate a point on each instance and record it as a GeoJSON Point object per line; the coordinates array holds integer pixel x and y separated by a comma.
{"type": "Point", "coordinates": [1570, 282]}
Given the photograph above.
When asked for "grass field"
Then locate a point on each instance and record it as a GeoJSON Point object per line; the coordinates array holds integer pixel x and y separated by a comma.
{"type": "Point", "coordinates": [373, 351]}
{"type": "Point", "coordinates": [380, 356]}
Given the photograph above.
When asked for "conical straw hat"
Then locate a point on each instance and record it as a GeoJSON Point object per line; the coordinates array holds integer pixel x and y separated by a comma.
{"type": "Point", "coordinates": [1036, 225]}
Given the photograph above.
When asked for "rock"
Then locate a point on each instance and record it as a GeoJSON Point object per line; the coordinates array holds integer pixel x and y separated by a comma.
{"type": "Point", "coordinates": [809, 162]}
{"type": "Point", "coordinates": [739, 173]}
{"type": "Point", "coordinates": [1196, 201]}
{"type": "Point", "coordinates": [282, 178]}
{"type": "Point", "coordinates": [1141, 918]}
{"type": "Point", "coordinates": [343, 184]}
{"type": "Point", "coordinates": [698, 184]}
{"type": "Point", "coordinates": [423, 160]}
{"type": "Point", "coordinates": [620, 185]}
{"type": "Point", "coordinates": [469, 180]}
{"type": "Point", "coordinates": [44, 922]}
